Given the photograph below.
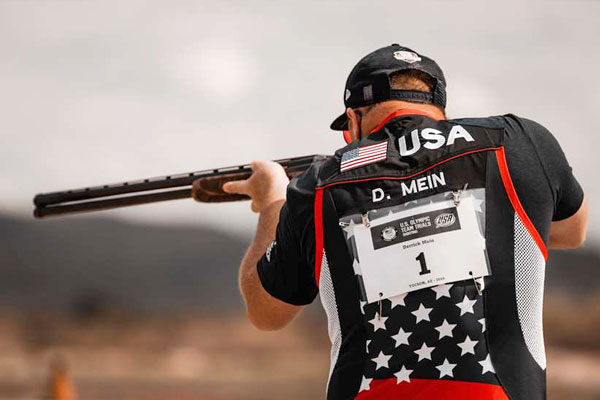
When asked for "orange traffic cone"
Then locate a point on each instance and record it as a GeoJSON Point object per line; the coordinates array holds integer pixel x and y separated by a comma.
{"type": "Point", "coordinates": [60, 386]}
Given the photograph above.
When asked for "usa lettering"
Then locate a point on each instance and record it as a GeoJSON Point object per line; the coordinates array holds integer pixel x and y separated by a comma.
{"type": "Point", "coordinates": [432, 139]}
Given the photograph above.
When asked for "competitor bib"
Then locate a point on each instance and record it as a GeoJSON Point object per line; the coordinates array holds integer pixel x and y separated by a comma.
{"type": "Point", "coordinates": [418, 248]}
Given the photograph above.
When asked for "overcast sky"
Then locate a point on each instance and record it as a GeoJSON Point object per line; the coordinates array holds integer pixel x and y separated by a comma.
{"type": "Point", "coordinates": [94, 92]}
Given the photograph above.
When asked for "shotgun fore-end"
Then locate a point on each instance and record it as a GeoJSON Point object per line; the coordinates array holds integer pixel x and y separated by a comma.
{"type": "Point", "coordinates": [210, 188]}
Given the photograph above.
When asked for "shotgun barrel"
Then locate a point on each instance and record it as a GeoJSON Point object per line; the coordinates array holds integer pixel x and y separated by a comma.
{"type": "Point", "coordinates": [203, 186]}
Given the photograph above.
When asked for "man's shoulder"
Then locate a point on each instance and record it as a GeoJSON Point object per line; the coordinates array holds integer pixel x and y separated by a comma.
{"type": "Point", "coordinates": [304, 185]}
{"type": "Point", "coordinates": [494, 121]}
{"type": "Point", "coordinates": [512, 123]}
{"type": "Point", "coordinates": [301, 190]}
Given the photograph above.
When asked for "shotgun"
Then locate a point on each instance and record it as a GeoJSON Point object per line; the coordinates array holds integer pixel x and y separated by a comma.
{"type": "Point", "coordinates": [204, 186]}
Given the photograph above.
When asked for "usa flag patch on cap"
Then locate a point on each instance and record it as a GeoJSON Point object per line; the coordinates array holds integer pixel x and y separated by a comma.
{"type": "Point", "coordinates": [363, 156]}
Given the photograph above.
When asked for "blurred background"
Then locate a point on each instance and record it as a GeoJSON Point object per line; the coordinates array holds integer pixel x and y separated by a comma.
{"type": "Point", "coordinates": [142, 303]}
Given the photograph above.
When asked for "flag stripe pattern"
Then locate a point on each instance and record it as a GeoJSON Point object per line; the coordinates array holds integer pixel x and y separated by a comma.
{"type": "Point", "coordinates": [434, 388]}
{"type": "Point", "coordinates": [363, 156]}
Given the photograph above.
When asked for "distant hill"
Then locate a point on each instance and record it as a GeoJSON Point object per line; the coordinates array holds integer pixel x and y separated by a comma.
{"type": "Point", "coordinates": [575, 271]}
{"type": "Point", "coordinates": [87, 265]}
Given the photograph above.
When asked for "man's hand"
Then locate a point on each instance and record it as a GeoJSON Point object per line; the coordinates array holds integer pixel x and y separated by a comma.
{"type": "Point", "coordinates": [266, 185]}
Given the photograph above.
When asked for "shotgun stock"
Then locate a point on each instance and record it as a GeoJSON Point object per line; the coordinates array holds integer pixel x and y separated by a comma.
{"type": "Point", "coordinates": [204, 186]}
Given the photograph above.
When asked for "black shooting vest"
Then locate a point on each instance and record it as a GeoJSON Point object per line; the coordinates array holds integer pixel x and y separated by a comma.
{"type": "Point", "coordinates": [486, 334]}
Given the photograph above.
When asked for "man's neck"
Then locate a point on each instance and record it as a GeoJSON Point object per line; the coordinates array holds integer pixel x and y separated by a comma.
{"type": "Point", "coordinates": [382, 111]}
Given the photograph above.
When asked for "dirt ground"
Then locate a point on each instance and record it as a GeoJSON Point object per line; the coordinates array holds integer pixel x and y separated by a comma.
{"type": "Point", "coordinates": [211, 358]}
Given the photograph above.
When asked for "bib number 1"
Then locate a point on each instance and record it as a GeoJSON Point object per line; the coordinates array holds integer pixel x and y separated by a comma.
{"type": "Point", "coordinates": [436, 243]}
{"type": "Point", "coordinates": [421, 259]}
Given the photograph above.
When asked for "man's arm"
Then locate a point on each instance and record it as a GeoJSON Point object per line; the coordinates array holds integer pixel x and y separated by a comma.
{"type": "Point", "coordinates": [569, 217]}
{"type": "Point", "coordinates": [267, 189]}
{"type": "Point", "coordinates": [570, 232]}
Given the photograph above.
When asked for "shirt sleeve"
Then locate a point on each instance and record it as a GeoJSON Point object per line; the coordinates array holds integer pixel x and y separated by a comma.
{"type": "Point", "coordinates": [567, 192]}
{"type": "Point", "coordinates": [286, 270]}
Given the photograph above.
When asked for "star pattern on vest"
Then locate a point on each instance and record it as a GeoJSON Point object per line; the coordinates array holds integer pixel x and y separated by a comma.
{"type": "Point", "coordinates": [422, 313]}
{"type": "Point", "coordinates": [401, 337]}
{"type": "Point", "coordinates": [365, 384]}
{"type": "Point", "coordinates": [478, 204]}
{"type": "Point", "coordinates": [397, 300]}
{"type": "Point", "coordinates": [466, 306]}
{"type": "Point", "coordinates": [381, 360]}
{"type": "Point", "coordinates": [468, 346]}
{"type": "Point", "coordinates": [445, 368]}
{"type": "Point", "coordinates": [349, 229]}
{"type": "Point", "coordinates": [356, 267]}
{"type": "Point", "coordinates": [424, 352]}
{"type": "Point", "coordinates": [445, 329]}
{"type": "Point", "coordinates": [441, 291]}
{"type": "Point", "coordinates": [431, 333]}
{"type": "Point", "coordinates": [486, 365]}
{"type": "Point", "coordinates": [378, 322]}
{"type": "Point", "coordinates": [482, 322]}
{"type": "Point", "coordinates": [403, 375]}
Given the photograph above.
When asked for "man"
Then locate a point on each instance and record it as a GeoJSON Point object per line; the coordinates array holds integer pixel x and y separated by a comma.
{"type": "Point", "coordinates": [425, 237]}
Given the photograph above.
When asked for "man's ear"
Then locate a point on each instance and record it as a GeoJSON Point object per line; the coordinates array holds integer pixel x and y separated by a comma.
{"type": "Point", "coordinates": [353, 124]}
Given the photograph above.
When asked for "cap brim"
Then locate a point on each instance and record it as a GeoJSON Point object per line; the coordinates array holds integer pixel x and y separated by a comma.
{"type": "Point", "coordinates": [340, 123]}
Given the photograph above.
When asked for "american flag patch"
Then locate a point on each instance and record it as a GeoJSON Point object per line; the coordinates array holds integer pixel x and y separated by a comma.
{"type": "Point", "coordinates": [363, 156]}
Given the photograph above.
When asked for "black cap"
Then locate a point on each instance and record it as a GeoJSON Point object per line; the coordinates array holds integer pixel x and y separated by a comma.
{"type": "Point", "coordinates": [369, 82]}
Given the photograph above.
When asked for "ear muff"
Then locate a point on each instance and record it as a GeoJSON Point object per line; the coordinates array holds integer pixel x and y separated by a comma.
{"type": "Point", "coordinates": [347, 137]}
